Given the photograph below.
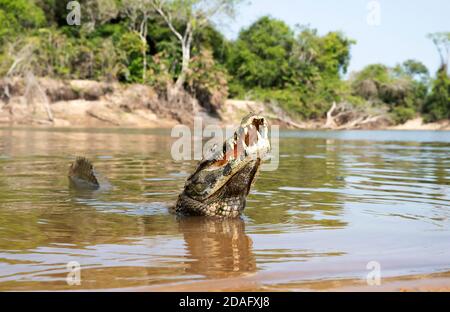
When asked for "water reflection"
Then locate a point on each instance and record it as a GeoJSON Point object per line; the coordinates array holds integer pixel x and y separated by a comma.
{"type": "Point", "coordinates": [217, 248]}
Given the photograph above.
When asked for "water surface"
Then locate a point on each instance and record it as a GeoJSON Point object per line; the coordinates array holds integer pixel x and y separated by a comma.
{"type": "Point", "coordinates": [338, 201]}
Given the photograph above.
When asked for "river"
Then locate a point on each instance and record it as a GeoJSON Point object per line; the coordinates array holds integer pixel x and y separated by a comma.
{"type": "Point", "coordinates": [340, 206]}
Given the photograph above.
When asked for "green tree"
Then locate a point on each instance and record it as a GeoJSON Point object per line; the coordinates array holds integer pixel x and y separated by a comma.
{"type": "Point", "coordinates": [211, 39]}
{"type": "Point", "coordinates": [402, 90]}
{"type": "Point", "coordinates": [413, 69]}
{"type": "Point", "coordinates": [191, 15]}
{"type": "Point", "coordinates": [437, 106]}
{"type": "Point", "coordinates": [317, 63]}
{"type": "Point", "coordinates": [441, 41]}
{"type": "Point", "coordinates": [18, 15]}
{"type": "Point", "coordinates": [260, 57]}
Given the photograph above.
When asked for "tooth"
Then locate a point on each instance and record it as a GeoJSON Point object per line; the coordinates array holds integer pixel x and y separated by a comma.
{"type": "Point", "coordinates": [259, 136]}
{"type": "Point", "coordinates": [246, 131]}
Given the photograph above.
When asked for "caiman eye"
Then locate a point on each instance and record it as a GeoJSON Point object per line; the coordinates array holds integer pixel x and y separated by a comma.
{"type": "Point", "coordinates": [198, 188]}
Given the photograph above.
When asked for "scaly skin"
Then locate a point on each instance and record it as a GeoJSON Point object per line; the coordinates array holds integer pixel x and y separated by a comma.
{"type": "Point", "coordinates": [228, 202]}
{"type": "Point", "coordinates": [222, 182]}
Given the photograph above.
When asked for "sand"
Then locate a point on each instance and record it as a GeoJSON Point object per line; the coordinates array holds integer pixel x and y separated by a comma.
{"type": "Point", "coordinates": [438, 282]}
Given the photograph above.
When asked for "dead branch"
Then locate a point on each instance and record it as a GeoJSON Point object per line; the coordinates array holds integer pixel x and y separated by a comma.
{"type": "Point", "coordinates": [34, 91]}
{"type": "Point", "coordinates": [330, 120]}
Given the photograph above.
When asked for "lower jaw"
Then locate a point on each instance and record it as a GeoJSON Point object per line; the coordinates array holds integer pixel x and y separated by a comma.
{"type": "Point", "coordinates": [224, 208]}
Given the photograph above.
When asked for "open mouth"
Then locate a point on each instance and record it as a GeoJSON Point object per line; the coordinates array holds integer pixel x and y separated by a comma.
{"type": "Point", "coordinates": [235, 164]}
{"type": "Point", "coordinates": [249, 141]}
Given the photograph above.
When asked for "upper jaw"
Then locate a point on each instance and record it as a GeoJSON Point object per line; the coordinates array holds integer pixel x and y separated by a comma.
{"type": "Point", "coordinates": [254, 138]}
{"type": "Point", "coordinates": [249, 142]}
{"type": "Point", "coordinates": [248, 146]}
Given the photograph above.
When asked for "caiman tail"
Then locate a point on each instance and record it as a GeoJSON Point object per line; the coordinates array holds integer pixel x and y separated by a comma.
{"type": "Point", "coordinates": [82, 175]}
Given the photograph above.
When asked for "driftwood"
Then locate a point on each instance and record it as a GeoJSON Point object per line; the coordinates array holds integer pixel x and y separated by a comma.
{"type": "Point", "coordinates": [21, 67]}
{"type": "Point", "coordinates": [345, 116]}
{"type": "Point", "coordinates": [34, 91]}
{"type": "Point", "coordinates": [330, 120]}
{"type": "Point", "coordinates": [281, 116]}
{"type": "Point", "coordinates": [102, 118]}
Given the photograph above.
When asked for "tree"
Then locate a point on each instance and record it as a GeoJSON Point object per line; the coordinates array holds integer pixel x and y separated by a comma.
{"type": "Point", "coordinates": [442, 42]}
{"type": "Point", "coordinates": [413, 69]}
{"type": "Point", "coordinates": [437, 105]}
{"type": "Point", "coordinates": [138, 13]}
{"type": "Point", "coordinates": [212, 39]}
{"type": "Point", "coordinates": [318, 61]}
{"type": "Point", "coordinates": [192, 15]}
{"type": "Point", "coordinates": [260, 57]}
{"type": "Point", "coordinates": [16, 16]}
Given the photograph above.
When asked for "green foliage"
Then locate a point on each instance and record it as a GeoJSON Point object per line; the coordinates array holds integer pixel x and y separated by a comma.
{"type": "Point", "coordinates": [329, 54]}
{"type": "Point", "coordinates": [413, 69]}
{"type": "Point", "coordinates": [7, 26]}
{"type": "Point", "coordinates": [130, 45]}
{"type": "Point", "coordinates": [165, 45]}
{"type": "Point", "coordinates": [437, 105]}
{"type": "Point", "coordinates": [18, 15]}
{"type": "Point", "coordinates": [211, 39]}
{"type": "Point", "coordinates": [376, 72]}
{"type": "Point", "coordinates": [402, 89]}
{"type": "Point", "coordinates": [402, 114]}
{"type": "Point", "coordinates": [298, 69]}
{"type": "Point", "coordinates": [208, 81]}
{"type": "Point", "coordinates": [260, 57]}
{"type": "Point", "coordinates": [24, 12]}
{"type": "Point", "coordinates": [302, 74]}
{"type": "Point", "coordinates": [291, 100]}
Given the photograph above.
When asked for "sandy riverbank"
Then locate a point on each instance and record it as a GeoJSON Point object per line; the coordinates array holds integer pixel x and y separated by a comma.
{"type": "Point", "coordinates": [91, 104]}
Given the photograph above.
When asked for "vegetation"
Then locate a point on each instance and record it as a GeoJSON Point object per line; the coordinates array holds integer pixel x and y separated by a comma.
{"type": "Point", "coordinates": [173, 45]}
{"type": "Point", "coordinates": [437, 105]}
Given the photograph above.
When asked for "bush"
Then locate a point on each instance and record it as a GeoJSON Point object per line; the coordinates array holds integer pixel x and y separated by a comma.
{"type": "Point", "coordinates": [437, 105]}
{"type": "Point", "coordinates": [208, 81]}
{"type": "Point", "coordinates": [401, 115]}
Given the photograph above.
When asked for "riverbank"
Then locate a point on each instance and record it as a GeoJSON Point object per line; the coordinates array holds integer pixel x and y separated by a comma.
{"type": "Point", "coordinates": [82, 103]}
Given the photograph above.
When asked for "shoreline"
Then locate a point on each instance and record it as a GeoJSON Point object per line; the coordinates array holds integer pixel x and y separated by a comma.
{"type": "Point", "coordinates": [60, 125]}
{"type": "Point", "coordinates": [93, 104]}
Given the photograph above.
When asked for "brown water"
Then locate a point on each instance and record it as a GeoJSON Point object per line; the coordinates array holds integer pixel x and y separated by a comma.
{"type": "Point", "coordinates": [338, 201]}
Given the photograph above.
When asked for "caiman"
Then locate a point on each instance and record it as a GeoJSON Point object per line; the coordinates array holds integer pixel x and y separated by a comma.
{"type": "Point", "coordinates": [220, 185]}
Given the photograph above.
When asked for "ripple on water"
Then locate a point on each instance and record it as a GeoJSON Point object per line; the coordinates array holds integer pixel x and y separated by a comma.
{"type": "Point", "coordinates": [337, 201]}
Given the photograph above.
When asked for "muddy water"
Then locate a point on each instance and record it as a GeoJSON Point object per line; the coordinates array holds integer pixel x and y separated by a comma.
{"type": "Point", "coordinates": [338, 202]}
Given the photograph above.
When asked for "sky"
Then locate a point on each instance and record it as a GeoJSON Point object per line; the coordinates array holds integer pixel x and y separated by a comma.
{"type": "Point", "coordinates": [394, 35]}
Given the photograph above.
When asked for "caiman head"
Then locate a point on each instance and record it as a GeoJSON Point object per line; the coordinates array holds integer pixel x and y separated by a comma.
{"type": "Point", "coordinates": [220, 185]}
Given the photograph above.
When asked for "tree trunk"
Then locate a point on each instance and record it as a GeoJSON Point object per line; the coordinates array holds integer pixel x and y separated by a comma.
{"type": "Point", "coordinates": [144, 60]}
{"type": "Point", "coordinates": [330, 124]}
{"type": "Point", "coordinates": [184, 68]}
{"type": "Point", "coordinates": [186, 42]}
{"type": "Point", "coordinates": [143, 35]}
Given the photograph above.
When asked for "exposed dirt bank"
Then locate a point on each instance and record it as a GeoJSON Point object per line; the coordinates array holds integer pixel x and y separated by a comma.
{"type": "Point", "coordinates": [80, 103]}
